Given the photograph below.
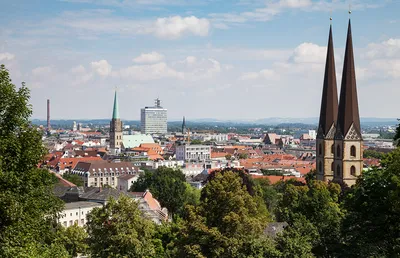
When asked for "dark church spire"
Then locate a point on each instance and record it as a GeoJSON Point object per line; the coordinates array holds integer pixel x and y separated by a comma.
{"type": "Point", "coordinates": [329, 102]}
{"type": "Point", "coordinates": [183, 126]}
{"type": "Point", "coordinates": [348, 105]}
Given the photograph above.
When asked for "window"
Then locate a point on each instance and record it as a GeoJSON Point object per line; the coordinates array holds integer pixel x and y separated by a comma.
{"type": "Point", "coordinates": [320, 166]}
{"type": "Point", "coordinates": [338, 170]}
{"type": "Point", "coordinates": [333, 150]}
{"type": "Point", "coordinates": [332, 167]}
{"type": "Point", "coordinates": [76, 214]}
{"type": "Point", "coordinates": [70, 222]}
{"type": "Point", "coordinates": [65, 223]}
{"type": "Point", "coordinates": [353, 151]}
{"type": "Point", "coordinates": [82, 222]}
{"type": "Point", "coordinates": [338, 151]}
{"type": "Point", "coordinates": [353, 170]}
{"type": "Point", "coordinates": [320, 149]}
{"type": "Point", "coordinates": [70, 214]}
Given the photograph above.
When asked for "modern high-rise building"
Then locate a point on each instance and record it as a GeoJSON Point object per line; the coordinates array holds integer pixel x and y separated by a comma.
{"type": "Point", "coordinates": [154, 119]}
{"type": "Point", "coordinates": [115, 128]}
{"type": "Point", "coordinates": [339, 140]}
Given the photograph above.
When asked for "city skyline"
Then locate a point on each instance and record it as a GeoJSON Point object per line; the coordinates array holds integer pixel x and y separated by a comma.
{"type": "Point", "coordinates": [202, 59]}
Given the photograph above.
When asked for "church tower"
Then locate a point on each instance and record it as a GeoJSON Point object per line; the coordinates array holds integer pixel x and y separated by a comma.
{"type": "Point", "coordinates": [183, 126]}
{"type": "Point", "coordinates": [327, 119]}
{"type": "Point", "coordinates": [348, 139]}
{"type": "Point", "coordinates": [115, 128]}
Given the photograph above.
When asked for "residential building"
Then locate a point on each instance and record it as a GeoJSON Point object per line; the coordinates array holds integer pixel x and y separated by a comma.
{"type": "Point", "coordinates": [193, 152]}
{"type": "Point", "coordinates": [100, 173]}
{"type": "Point", "coordinates": [76, 213]}
{"type": "Point", "coordinates": [154, 119]}
{"type": "Point", "coordinates": [125, 182]}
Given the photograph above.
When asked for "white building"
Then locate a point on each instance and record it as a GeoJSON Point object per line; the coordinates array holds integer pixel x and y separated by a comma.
{"type": "Point", "coordinates": [76, 212]}
{"type": "Point", "coordinates": [154, 119]}
{"type": "Point", "coordinates": [125, 182]}
{"type": "Point", "coordinates": [313, 134]}
{"type": "Point", "coordinates": [193, 152]}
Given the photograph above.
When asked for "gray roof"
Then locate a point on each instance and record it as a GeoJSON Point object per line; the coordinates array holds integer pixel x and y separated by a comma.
{"type": "Point", "coordinates": [100, 194]}
{"type": "Point", "coordinates": [75, 205]}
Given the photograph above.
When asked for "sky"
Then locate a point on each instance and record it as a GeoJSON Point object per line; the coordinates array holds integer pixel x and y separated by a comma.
{"type": "Point", "coordinates": [223, 59]}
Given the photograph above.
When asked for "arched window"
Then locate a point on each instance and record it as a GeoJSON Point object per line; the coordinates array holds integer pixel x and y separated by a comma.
{"type": "Point", "coordinates": [353, 170]}
{"type": "Point", "coordinates": [332, 167]}
{"type": "Point", "coordinates": [338, 170]}
{"type": "Point", "coordinates": [333, 150]}
{"type": "Point", "coordinates": [338, 151]}
{"type": "Point", "coordinates": [353, 151]}
{"type": "Point", "coordinates": [320, 149]}
{"type": "Point", "coordinates": [320, 166]}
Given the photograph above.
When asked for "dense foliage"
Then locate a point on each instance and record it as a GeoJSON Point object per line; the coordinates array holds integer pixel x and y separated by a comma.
{"type": "Point", "coordinates": [169, 187]}
{"type": "Point", "coordinates": [73, 178]}
{"type": "Point", "coordinates": [28, 209]}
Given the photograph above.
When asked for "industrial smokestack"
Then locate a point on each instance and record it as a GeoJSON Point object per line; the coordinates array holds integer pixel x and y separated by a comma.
{"type": "Point", "coordinates": [48, 115]}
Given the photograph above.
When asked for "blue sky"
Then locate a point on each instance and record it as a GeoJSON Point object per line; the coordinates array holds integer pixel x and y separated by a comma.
{"type": "Point", "coordinates": [237, 59]}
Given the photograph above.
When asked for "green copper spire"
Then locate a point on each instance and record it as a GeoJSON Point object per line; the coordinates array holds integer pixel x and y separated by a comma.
{"type": "Point", "coordinates": [115, 110]}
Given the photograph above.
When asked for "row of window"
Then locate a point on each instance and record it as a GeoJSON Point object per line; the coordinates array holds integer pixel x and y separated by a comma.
{"type": "Point", "coordinates": [353, 150]}
{"type": "Point", "coordinates": [65, 223]}
{"type": "Point", "coordinates": [338, 170]}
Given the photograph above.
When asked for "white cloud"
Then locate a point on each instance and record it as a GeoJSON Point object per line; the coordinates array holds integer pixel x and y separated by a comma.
{"type": "Point", "coordinates": [102, 67]}
{"type": "Point", "coordinates": [295, 3]}
{"type": "Point", "coordinates": [267, 74]}
{"type": "Point", "coordinates": [309, 53]}
{"type": "Point", "coordinates": [386, 49]}
{"type": "Point", "coordinates": [176, 26]}
{"type": "Point", "coordinates": [41, 71]}
{"type": "Point", "coordinates": [148, 72]}
{"type": "Point", "coordinates": [152, 57]}
{"type": "Point", "coordinates": [6, 56]}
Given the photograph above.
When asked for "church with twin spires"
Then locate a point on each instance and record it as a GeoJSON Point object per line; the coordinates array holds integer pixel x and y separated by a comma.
{"type": "Point", "coordinates": [339, 140]}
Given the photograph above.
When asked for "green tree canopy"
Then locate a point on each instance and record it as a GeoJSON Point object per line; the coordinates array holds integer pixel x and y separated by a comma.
{"type": "Point", "coordinates": [28, 208]}
{"type": "Point", "coordinates": [229, 222]}
{"type": "Point", "coordinates": [74, 239]}
{"type": "Point", "coordinates": [119, 230]}
{"type": "Point", "coordinates": [372, 226]}
{"type": "Point", "coordinates": [166, 184]}
{"type": "Point", "coordinates": [73, 178]}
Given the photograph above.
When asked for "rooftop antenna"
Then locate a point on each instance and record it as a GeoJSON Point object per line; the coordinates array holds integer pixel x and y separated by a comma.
{"type": "Point", "coordinates": [330, 14]}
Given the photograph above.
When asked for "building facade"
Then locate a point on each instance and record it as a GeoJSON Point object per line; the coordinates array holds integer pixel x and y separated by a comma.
{"type": "Point", "coordinates": [193, 152]}
{"type": "Point", "coordinates": [154, 119]}
{"type": "Point", "coordinates": [101, 173]}
{"type": "Point", "coordinates": [339, 139]}
{"type": "Point", "coordinates": [115, 128]}
{"type": "Point", "coordinates": [76, 212]}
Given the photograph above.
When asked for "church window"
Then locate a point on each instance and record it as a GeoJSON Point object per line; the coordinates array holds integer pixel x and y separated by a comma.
{"type": "Point", "coordinates": [353, 151]}
{"type": "Point", "coordinates": [338, 170]}
{"type": "Point", "coordinates": [320, 149]}
{"type": "Point", "coordinates": [338, 151]}
{"type": "Point", "coordinates": [320, 166]}
{"type": "Point", "coordinates": [333, 150]}
{"type": "Point", "coordinates": [332, 167]}
{"type": "Point", "coordinates": [353, 171]}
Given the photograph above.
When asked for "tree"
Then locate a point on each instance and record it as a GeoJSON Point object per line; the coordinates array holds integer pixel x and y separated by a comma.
{"type": "Point", "coordinates": [74, 239]}
{"type": "Point", "coordinates": [166, 184]}
{"type": "Point", "coordinates": [373, 154]}
{"type": "Point", "coordinates": [243, 156]}
{"type": "Point", "coordinates": [75, 179]}
{"type": "Point", "coordinates": [397, 136]}
{"type": "Point", "coordinates": [28, 208]}
{"type": "Point", "coordinates": [229, 222]}
{"type": "Point", "coordinates": [195, 142]}
{"type": "Point", "coordinates": [119, 230]}
{"type": "Point", "coordinates": [372, 225]}
{"type": "Point", "coordinates": [228, 156]}
{"type": "Point", "coordinates": [318, 203]}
